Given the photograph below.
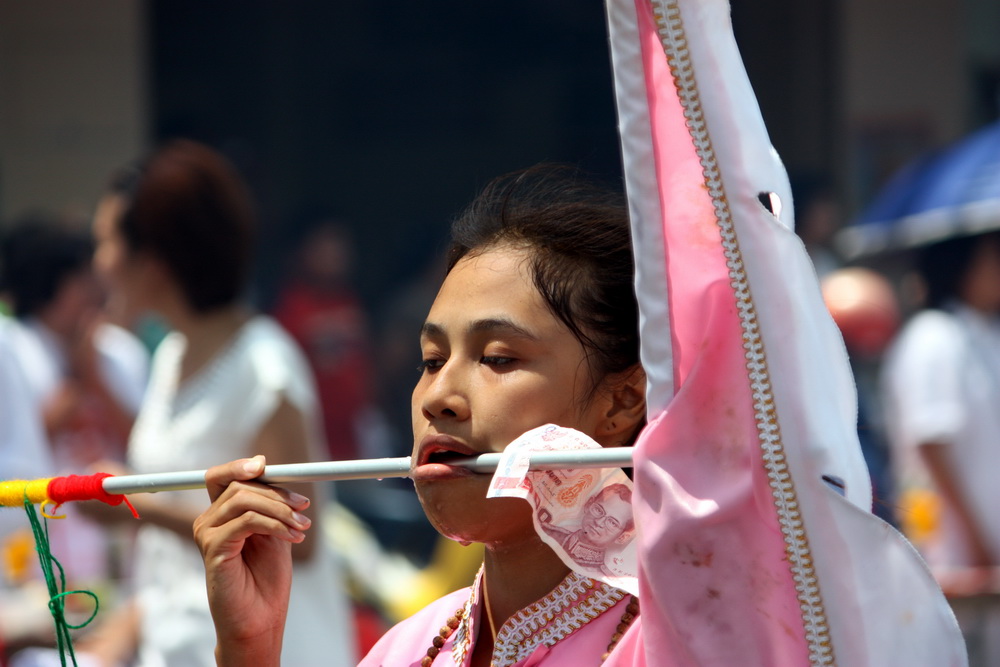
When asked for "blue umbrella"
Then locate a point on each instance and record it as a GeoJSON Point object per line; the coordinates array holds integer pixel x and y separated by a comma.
{"type": "Point", "coordinates": [953, 192]}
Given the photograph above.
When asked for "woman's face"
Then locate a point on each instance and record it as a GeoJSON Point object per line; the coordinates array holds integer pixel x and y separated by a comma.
{"type": "Point", "coordinates": [496, 363]}
{"type": "Point", "coordinates": [115, 264]}
{"type": "Point", "coordinates": [981, 287]}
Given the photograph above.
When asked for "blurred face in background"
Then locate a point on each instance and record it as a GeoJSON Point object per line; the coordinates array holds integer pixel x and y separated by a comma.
{"type": "Point", "coordinates": [75, 304]}
{"type": "Point", "coordinates": [122, 272]}
{"type": "Point", "coordinates": [980, 287]}
{"type": "Point", "coordinates": [327, 257]}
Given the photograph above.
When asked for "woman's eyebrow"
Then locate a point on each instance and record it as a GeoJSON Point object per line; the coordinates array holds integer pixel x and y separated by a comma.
{"type": "Point", "coordinates": [431, 330]}
{"type": "Point", "coordinates": [500, 325]}
{"type": "Point", "coordinates": [493, 325]}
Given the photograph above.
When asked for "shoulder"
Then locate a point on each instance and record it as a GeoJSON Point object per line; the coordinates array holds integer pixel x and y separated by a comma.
{"type": "Point", "coordinates": [933, 324]}
{"type": "Point", "coordinates": [22, 337]}
{"type": "Point", "coordinates": [407, 641]}
{"type": "Point", "coordinates": [167, 355]}
{"type": "Point", "coordinates": [11, 372]}
{"type": "Point", "coordinates": [172, 346]}
{"type": "Point", "coordinates": [929, 333]}
{"type": "Point", "coordinates": [110, 335]}
{"type": "Point", "coordinates": [276, 362]}
{"type": "Point", "coordinates": [269, 348]}
{"type": "Point", "coordinates": [263, 337]}
{"type": "Point", "coordinates": [120, 345]}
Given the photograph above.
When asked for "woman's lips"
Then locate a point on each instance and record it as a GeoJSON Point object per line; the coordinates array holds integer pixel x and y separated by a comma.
{"type": "Point", "coordinates": [431, 455]}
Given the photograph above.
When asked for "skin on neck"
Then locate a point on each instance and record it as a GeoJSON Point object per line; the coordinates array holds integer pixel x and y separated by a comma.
{"type": "Point", "coordinates": [206, 332]}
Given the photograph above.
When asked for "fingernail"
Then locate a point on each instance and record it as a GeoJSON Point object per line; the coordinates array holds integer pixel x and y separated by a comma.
{"type": "Point", "coordinates": [297, 498]}
{"type": "Point", "coordinates": [301, 519]}
{"type": "Point", "coordinates": [252, 465]}
{"type": "Point", "coordinates": [297, 534]}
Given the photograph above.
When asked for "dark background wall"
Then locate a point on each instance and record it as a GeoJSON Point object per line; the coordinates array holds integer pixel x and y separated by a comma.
{"type": "Point", "coordinates": [391, 115]}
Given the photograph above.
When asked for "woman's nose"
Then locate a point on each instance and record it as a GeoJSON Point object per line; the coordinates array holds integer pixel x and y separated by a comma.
{"type": "Point", "coordinates": [445, 396]}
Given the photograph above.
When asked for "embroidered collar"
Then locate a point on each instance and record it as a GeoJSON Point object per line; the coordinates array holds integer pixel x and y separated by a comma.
{"type": "Point", "coordinates": [572, 604]}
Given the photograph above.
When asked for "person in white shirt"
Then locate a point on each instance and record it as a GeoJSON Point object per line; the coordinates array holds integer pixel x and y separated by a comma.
{"type": "Point", "coordinates": [85, 376]}
{"type": "Point", "coordinates": [175, 237]}
{"type": "Point", "coordinates": [942, 399]}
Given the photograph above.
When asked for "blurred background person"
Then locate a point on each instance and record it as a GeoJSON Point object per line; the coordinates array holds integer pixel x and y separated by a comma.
{"type": "Point", "coordinates": [175, 236]}
{"type": "Point", "coordinates": [818, 215]}
{"type": "Point", "coordinates": [85, 376]}
{"type": "Point", "coordinates": [84, 372]}
{"type": "Point", "coordinates": [24, 454]}
{"type": "Point", "coordinates": [942, 391]}
{"type": "Point", "coordinates": [941, 383]}
{"type": "Point", "coordinates": [319, 307]}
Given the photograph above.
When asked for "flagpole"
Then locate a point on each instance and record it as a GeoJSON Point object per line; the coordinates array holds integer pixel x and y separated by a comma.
{"type": "Point", "coordinates": [613, 457]}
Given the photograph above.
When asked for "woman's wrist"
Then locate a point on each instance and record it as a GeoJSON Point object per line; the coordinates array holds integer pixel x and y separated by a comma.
{"type": "Point", "coordinates": [258, 653]}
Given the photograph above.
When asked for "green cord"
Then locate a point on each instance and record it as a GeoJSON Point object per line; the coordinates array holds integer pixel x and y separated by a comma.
{"type": "Point", "coordinates": [57, 592]}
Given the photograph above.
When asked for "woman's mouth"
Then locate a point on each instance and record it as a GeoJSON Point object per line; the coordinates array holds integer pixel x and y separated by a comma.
{"type": "Point", "coordinates": [435, 457]}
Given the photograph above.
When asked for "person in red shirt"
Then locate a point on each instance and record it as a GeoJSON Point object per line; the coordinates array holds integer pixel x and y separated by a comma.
{"type": "Point", "coordinates": [321, 310]}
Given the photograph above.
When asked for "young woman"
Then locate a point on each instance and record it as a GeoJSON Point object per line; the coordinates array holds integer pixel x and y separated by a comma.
{"type": "Point", "coordinates": [175, 237]}
{"type": "Point", "coordinates": [535, 323]}
{"type": "Point", "coordinates": [754, 538]}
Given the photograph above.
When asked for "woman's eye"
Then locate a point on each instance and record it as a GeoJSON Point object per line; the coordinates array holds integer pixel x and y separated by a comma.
{"type": "Point", "coordinates": [430, 365]}
{"type": "Point", "coordinates": [496, 361]}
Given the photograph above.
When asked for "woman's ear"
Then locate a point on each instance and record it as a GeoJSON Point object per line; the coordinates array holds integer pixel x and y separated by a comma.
{"type": "Point", "coordinates": [627, 391]}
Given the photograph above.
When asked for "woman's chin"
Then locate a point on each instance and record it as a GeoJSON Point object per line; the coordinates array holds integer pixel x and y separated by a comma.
{"type": "Point", "coordinates": [460, 511]}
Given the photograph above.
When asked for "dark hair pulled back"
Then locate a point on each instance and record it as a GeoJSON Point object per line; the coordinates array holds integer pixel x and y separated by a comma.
{"type": "Point", "coordinates": [187, 205]}
{"type": "Point", "coordinates": [37, 256]}
{"type": "Point", "coordinates": [581, 254]}
{"type": "Point", "coordinates": [944, 266]}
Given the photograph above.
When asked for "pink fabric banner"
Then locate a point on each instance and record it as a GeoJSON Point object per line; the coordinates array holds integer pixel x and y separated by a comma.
{"type": "Point", "coordinates": [747, 556]}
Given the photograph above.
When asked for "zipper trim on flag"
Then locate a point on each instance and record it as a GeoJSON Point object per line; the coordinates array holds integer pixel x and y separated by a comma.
{"type": "Point", "coordinates": [674, 40]}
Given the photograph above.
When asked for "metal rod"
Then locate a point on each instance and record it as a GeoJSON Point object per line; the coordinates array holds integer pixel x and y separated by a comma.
{"type": "Point", "coordinates": [367, 469]}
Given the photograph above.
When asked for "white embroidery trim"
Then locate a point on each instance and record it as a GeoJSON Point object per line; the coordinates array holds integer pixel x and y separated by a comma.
{"type": "Point", "coordinates": [674, 41]}
{"type": "Point", "coordinates": [576, 601]}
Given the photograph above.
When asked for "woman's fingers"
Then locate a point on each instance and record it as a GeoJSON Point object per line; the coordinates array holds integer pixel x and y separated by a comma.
{"type": "Point", "coordinates": [259, 505]}
{"type": "Point", "coordinates": [221, 478]}
{"type": "Point", "coordinates": [242, 508]}
{"type": "Point", "coordinates": [219, 543]}
{"type": "Point", "coordinates": [218, 478]}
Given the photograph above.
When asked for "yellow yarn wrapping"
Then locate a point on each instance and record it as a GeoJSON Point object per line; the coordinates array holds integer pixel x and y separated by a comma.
{"type": "Point", "coordinates": [14, 492]}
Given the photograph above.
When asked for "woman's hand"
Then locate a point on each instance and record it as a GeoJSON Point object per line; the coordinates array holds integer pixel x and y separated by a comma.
{"type": "Point", "coordinates": [245, 539]}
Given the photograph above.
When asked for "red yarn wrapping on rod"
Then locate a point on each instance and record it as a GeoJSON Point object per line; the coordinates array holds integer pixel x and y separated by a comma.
{"type": "Point", "coordinates": [85, 487]}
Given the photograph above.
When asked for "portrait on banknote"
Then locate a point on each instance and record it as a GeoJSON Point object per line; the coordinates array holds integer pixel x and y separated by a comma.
{"type": "Point", "coordinates": [584, 514]}
{"type": "Point", "coordinates": [604, 524]}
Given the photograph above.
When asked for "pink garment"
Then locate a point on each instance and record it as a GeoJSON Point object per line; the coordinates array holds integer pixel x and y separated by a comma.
{"type": "Point", "coordinates": [578, 618]}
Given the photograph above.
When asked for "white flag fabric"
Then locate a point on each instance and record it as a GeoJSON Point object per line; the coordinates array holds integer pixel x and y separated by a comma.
{"type": "Point", "coordinates": [757, 543]}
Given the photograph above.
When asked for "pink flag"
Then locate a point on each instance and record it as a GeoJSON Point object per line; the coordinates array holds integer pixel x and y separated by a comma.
{"type": "Point", "coordinates": [752, 498]}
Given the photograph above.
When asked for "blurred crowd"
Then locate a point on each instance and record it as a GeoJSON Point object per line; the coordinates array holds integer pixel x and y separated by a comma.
{"type": "Point", "coordinates": [129, 343]}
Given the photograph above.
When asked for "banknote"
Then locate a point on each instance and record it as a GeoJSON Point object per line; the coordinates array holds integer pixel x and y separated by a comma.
{"type": "Point", "coordinates": [584, 514]}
